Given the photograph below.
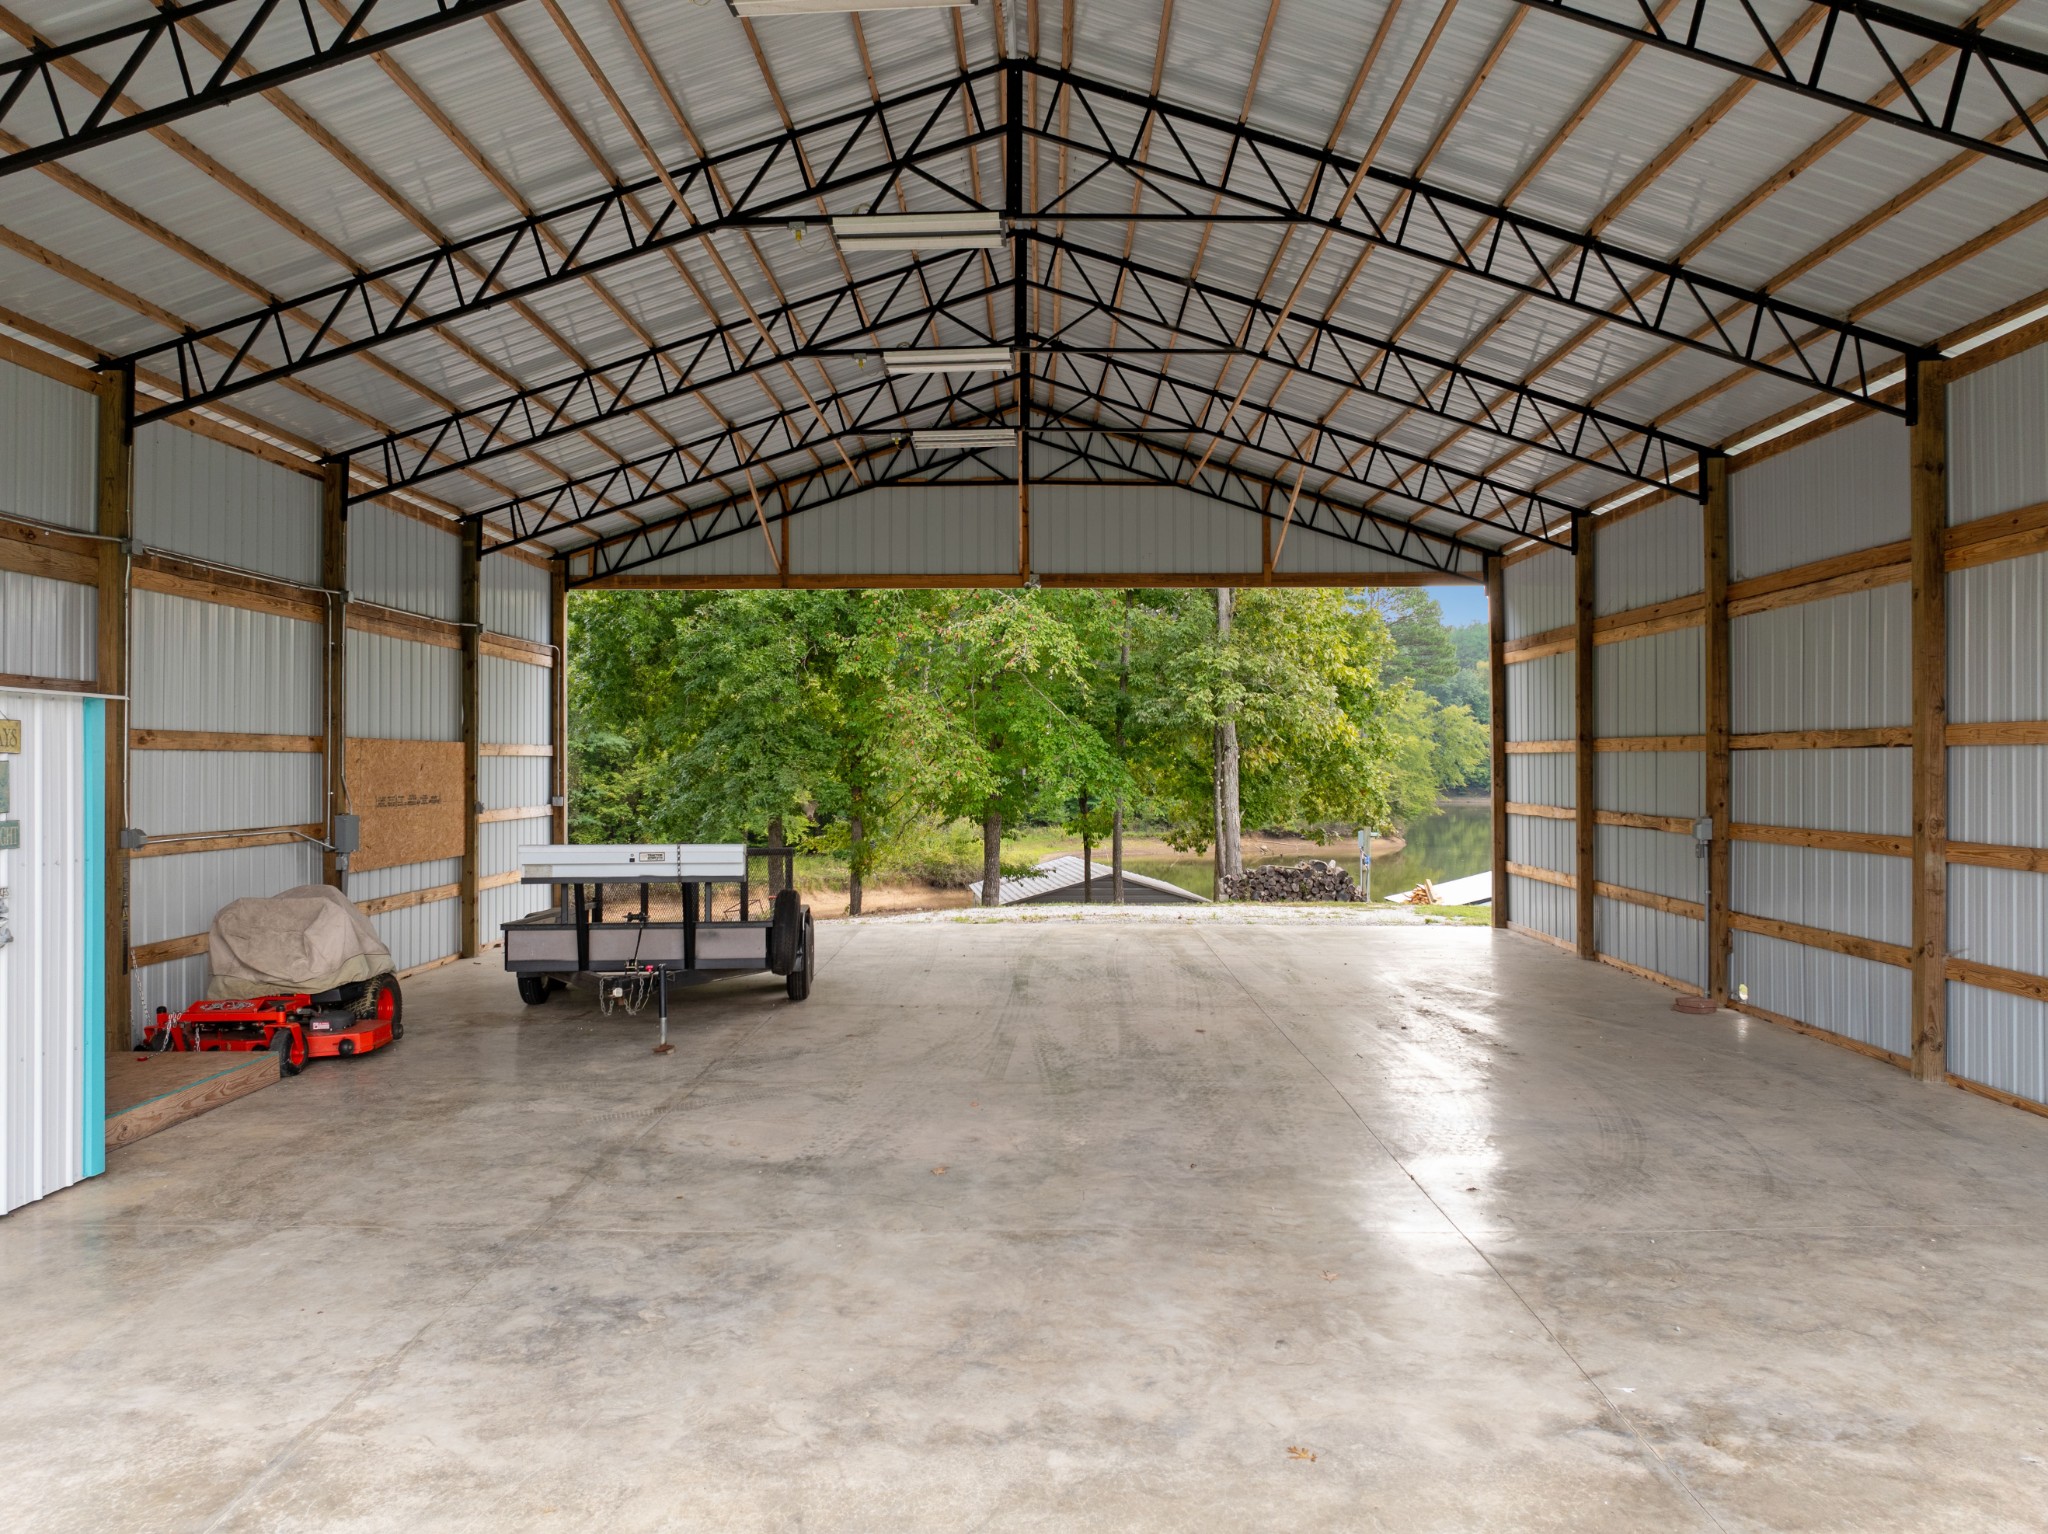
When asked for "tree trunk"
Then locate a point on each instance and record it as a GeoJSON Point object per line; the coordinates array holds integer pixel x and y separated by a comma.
{"type": "Point", "coordinates": [854, 837]}
{"type": "Point", "coordinates": [991, 855]}
{"type": "Point", "coordinates": [1116, 824]}
{"type": "Point", "coordinates": [1116, 852]}
{"type": "Point", "coordinates": [1087, 855]}
{"type": "Point", "coordinates": [1229, 855]}
{"type": "Point", "coordinates": [780, 875]}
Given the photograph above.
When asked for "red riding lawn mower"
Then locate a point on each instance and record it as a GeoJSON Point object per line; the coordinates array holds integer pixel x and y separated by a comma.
{"type": "Point", "coordinates": [302, 975]}
{"type": "Point", "coordinates": [347, 1020]}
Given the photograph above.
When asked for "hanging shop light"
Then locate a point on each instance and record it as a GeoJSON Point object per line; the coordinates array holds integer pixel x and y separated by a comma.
{"type": "Point", "coordinates": [919, 231]}
{"type": "Point", "coordinates": [951, 359]}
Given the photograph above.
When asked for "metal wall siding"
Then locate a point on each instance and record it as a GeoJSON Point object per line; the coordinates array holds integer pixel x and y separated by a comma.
{"type": "Point", "coordinates": [511, 782]}
{"type": "Point", "coordinates": [515, 598]}
{"type": "Point", "coordinates": [47, 447]}
{"type": "Point", "coordinates": [1653, 686]}
{"type": "Point", "coordinates": [1856, 998]}
{"type": "Point", "coordinates": [1650, 782]}
{"type": "Point", "coordinates": [1999, 916]}
{"type": "Point", "coordinates": [1998, 1040]}
{"type": "Point", "coordinates": [206, 666]}
{"type": "Point", "coordinates": [1652, 556]}
{"type": "Point", "coordinates": [1542, 843]}
{"type": "Point", "coordinates": [43, 1001]}
{"type": "Point", "coordinates": [1140, 528]}
{"type": "Point", "coordinates": [1308, 552]}
{"type": "Point", "coordinates": [1998, 794]}
{"type": "Point", "coordinates": [1657, 861]}
{"type": "Point", "coordinates": [396, 561]}
{"type": "Point", "coordinates": [1545, 907]}
{"type": "Point", "coordinates": [420, 934]}
{"type": "Point", "coordinates": [1845, 491]}
{"type": "Point", "coordinates": [1997, 450]}
{"type": "Point", "coordinates": [202, 498]}
{"type": "Point", "coordinates": [400, 689]}
{"type": "Point", "coordinates": [404, 879]}
{"type": "Point", "coordinates": [1543, 779]}
{"type": "Point", "coordinates": [896, 530]}
{"type": "Point", "coordinates": [1998, 640]}
{"type": "Point", "coordinates": [177, 896]}
{"type": "Point", "coordinates": [1654, 940]}
{"type": "Point", "coordinates": [508, 902]}
{"type": "Point", "coordinates": [48, 629]}
{"type": "Point", "coordinates": [745, 554]}
{"type": "Point", "coordinates": [1539, 594]}
{"type": "Point", "coordinates": [1860, 893]}
{"type": "Point", "coordinates": [1833, 790]}
{"type": "Point", "coordinates": [514, 708]}
{"type": "Point", "coordinates": [501, 840]}
{"type": "Point", "coordinates": [1843, 663]}
{"type": "Point", "coordinates": [177, 792]}
{"type": "Point", "coordinates": [1540, 699]}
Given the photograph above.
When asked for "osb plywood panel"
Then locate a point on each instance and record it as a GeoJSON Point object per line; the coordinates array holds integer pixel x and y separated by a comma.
{"type": "Point", "coordinates": [409, 793]}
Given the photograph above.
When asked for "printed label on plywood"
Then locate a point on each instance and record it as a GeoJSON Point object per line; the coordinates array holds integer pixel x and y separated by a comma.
{"type": "Point", "coordinates": [409, 795]}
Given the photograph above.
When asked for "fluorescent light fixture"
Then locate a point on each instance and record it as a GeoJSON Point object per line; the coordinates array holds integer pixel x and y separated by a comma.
{"type": "Point", "coordinates": [941, 438]}
{"type": "Point", "coordinates": [919, 231]}
{"type": "Point", "coordinates": [829, 7]}
{"type": "Point", "coordinates": [951, 359]}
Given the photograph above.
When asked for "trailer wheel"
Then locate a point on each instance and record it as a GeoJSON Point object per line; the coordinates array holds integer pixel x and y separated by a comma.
{"type": "Point", "coordinates": [281, 1046]}
{"type": "Point", "coordinates": [533, 989]}
{"type": "Point", "coordinates": [799, 982]}
{"type": "Point", "coordinates": [785, 932]}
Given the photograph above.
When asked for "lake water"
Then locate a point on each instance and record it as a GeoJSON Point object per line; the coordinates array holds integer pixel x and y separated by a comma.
{"type": "Point", "coordinates": [1457, 840]}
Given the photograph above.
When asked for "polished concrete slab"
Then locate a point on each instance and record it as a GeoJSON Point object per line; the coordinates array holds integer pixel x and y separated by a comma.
{"type": "Point", "coordinates": [1043, 1225]}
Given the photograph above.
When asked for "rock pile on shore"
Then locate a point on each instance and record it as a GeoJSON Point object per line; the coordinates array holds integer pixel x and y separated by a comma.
{"type": "Point", "coordinates": [1316, 879]}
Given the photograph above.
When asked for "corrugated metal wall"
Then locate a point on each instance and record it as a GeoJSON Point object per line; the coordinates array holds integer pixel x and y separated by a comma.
{"type": "Point", "coordinates": [905, 530]}
{"type": "Point", "coordinates": [396, 561]}
{"type": "Point", "coordinates": [515, 596]}
{"type": "Point", "coordinates": [1838, 664]}
{"type": "Point", "coordinates": [1650, 556]}
{"type": "Point", "coordinates": [46, 450]}
{"type": "Point", "coordinates": [49, 1027]}
{"type": "Point", "coordinates": [203, 499]}
{"type": "Point", "coordinates": [1998, 626]}
{"type": "Point", "coordinates": [48, 629]}
{"type": "Point", "coordinates": [1845, 491]}
{"type": "Point", "coordinates": [1539, 594]}
{"type": "Point", "coordinates": [403, 689]}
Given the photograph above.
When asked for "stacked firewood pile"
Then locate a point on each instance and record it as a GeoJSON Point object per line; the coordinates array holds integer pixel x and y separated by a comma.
{"type": "Point", "coordinates": [1316, 879]}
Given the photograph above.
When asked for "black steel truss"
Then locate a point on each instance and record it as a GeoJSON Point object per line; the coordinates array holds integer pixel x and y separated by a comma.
{"type": "Point", "coordinates": [1730, 35]}
{"type": "Point", "coordinates": [909, 295]}
{"type": "Point", "coordinates": [1136, 396]}
{"type": "Point", "coordinates": [1197, 152]}
{"type": "Point", "coordinates": [856, 153]}
{"type": "Point", "coordinates": [1146, 300]}
{"type": "Point", "coordinates": [737, 516]}
{"type": "Point", "coordinates": [865, 152]}
{"type": "Point", "coordinates": [154, 54]}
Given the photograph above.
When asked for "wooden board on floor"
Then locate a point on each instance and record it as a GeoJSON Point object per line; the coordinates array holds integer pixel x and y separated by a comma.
{"type": "Point", "coordinates": [148, 1092]}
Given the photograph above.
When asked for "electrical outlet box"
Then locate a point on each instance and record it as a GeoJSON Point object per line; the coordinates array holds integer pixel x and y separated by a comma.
{"type": "Point", "coordinates": [348, 834]}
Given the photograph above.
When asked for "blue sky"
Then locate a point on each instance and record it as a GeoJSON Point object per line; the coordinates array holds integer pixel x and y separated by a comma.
{"type": "Point", "coordinates": [1461, 604]}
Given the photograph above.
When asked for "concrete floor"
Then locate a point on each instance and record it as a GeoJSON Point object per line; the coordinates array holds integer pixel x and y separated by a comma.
{"type": "Point", "coordinates": [1061, 1227]}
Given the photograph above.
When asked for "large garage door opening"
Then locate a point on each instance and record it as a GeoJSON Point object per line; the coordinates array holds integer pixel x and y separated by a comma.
{"type": "Point", "coordinates": [1004, 534]}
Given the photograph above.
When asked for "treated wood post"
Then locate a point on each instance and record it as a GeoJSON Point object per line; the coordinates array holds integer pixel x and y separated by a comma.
{"type": "Point", "coordinates": [1497, 712]}
{"type": "Point", "coordinates": [1714, 523]}
{"type": "Point", "coordinates": [334, 578]}
{"type": "Point", "coordinates": [1928, 403]}
{"type": "Point", "coordinates": [558, 701]}
{"type": "Point", "coordinates": [472, 618]}
{"type": "Point", "coordinates": [1584, 719]}
{"type": "Point", "coordinates": [115, 519]}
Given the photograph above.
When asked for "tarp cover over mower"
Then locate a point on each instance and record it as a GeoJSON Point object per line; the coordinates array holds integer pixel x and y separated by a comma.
{"type": "Point", "coordinates": [302, 975]}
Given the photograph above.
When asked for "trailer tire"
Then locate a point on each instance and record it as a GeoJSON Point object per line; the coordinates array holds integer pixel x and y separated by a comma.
{"type": "Point", "coordinates": [533, 989]}
{"type": "Point", "coordinates": [799, 983]}
{"type": "Point", "coordinates": [785, 932]}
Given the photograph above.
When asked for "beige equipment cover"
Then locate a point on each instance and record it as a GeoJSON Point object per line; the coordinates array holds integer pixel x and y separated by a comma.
{"type": "Point", "coordinates": [306, 939]}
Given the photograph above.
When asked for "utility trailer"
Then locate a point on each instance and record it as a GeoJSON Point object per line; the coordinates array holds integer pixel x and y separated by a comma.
{"type": "Point", "coordinates": [631, 954]}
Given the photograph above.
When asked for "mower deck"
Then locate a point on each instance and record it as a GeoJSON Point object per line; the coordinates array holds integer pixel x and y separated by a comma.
{"type": "Point", "coordinates": [293, 1026]}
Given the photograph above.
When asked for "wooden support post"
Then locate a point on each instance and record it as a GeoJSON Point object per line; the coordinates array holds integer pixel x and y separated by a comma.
{"type": "Point", "coordinates": [1585, 718]}
{"type": "Point", "coordinates": [1714, 525]}
{"type": "Point", "coordinates": [115, 496]}
{"type": "Point", "coordinates": [334, 577]}
{"type": "Point", "coordinates": [1497, 682]}
{"type": "Point", "coordinates": [472, 619]}
{"type": "Point", "coordinates": [558, 700]}
{"type": "Point", "coordinates": [1928, 389]}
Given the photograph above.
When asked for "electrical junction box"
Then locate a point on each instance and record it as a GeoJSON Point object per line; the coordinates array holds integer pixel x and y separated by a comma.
{"type": "Point", "coordinates": [348, 835]}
